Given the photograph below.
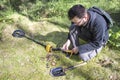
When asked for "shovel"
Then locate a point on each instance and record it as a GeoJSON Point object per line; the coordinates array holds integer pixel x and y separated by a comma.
{"type": "Point", "coordinates": [60, 71]}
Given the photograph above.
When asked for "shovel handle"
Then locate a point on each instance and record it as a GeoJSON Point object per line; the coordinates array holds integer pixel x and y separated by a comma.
{"type": "Point", "coordinates": [72, 67]}
{"type": "Point", "coordinates": [69, 68]}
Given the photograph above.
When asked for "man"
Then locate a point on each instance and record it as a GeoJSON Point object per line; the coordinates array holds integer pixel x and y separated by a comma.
{"type": "Point", "coordinates": [88, 26]}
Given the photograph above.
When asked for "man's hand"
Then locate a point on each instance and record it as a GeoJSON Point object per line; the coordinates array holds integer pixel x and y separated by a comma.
{"type": "Point", "coordinates": [66, 45]}
{"type": "Point", "coordinates": [75, 50]}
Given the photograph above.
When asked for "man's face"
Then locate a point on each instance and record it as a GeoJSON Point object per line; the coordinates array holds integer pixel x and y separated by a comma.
{"type": "Point", "coordinates": [78, 21]}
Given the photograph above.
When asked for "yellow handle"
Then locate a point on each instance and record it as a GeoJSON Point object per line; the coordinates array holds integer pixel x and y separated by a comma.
{"type": "Point", "coordinates": [68, 51]}
{"type": "Point", "coordinates": [48, 48]}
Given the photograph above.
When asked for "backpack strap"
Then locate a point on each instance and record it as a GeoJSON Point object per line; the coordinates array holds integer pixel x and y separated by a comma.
{"type": "Point", "coordinates": [106, 16]}
{"type": "Point", "coordinates": [91, 23]}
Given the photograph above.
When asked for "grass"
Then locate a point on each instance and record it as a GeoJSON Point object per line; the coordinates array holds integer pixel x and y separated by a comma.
{"type": "Point", "coordinates": [22, 59]}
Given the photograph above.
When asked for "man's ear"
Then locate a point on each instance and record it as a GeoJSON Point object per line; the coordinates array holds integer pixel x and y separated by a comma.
{"type": "Point", "coordinates": [86, 17]}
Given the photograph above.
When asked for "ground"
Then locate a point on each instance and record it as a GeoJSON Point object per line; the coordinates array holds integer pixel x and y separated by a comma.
{"type": "Point", "coordinates": [23, 59]}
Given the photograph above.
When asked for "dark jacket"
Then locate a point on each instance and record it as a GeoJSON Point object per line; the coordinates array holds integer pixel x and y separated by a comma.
{"type": "Point", "coordinates": [95, 32]}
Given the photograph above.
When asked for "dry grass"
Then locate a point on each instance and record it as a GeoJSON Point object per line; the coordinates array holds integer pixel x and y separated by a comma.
{"type": "Point", "coordinates": [22, 59]}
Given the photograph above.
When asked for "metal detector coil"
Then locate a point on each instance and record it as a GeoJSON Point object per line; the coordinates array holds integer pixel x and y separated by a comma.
{"type": "Point", "coordinates": [56, 72]}
{"type": "Point", "coordinates": [18, 33]}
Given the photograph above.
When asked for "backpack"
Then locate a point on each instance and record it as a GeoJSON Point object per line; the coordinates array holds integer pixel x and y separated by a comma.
{"type": "Point", "coordinates": [103, 13]}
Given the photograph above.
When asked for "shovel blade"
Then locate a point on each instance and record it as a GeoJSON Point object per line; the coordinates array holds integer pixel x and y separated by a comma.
{"type": "Point", "coordinates": [56, 72]}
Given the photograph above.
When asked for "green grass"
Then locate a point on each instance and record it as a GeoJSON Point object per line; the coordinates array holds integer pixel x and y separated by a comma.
{"type": "Point", "coordinates": [22, 59]}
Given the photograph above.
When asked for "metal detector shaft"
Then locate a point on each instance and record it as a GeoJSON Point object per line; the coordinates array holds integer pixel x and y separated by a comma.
{"type": "Point", "coordinates": [44, 45]}
{"type": "Point", "coordinates": [35, 41]}
{"type": "Point", "coordinates": [49, 48]}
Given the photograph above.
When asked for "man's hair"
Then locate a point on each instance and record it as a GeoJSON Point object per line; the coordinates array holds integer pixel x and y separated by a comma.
{"type": "Point", "coordinates": [76, 10]}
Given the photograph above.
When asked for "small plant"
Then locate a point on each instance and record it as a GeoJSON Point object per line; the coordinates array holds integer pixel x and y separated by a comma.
{"type": "Point", "coordinates": [115, 36]}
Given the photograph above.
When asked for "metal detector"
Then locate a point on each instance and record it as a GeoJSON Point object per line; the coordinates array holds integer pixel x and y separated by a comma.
{"type": "Point", "coordinates": [21, 34]}
{"type": "Point", "coordinates": [60, 71]}
{"type": "Point", "coordinates": [49, 48]}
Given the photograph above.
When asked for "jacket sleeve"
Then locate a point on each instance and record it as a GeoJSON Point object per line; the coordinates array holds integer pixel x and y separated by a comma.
{"type": "Point", "coordinates": [98, 34]}
{"type": "Point", "coordinates": [72, 26]}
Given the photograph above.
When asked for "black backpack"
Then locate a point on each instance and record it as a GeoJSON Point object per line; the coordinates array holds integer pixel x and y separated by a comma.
{"type": "Point", "coordinates": [104, 14]}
